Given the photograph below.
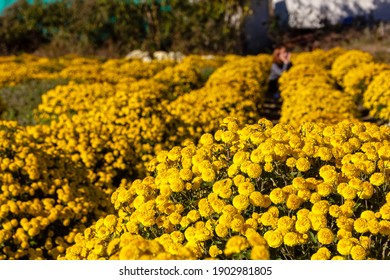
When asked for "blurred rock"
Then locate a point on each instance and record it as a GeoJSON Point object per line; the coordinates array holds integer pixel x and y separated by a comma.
{"type": "Point", "coordinates": [138, 54]}
{"type": "Point", "coordinates": [147, 59]}
{"type": "Point", "coordinates": [158, 55]}
{"type": "Point", "coordinates": [161, 55]}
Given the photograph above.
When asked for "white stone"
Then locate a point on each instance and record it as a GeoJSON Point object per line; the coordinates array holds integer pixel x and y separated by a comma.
{"type": "Point", "coordinates": [161, 55]}
{"type": "Point", "coordinates": [147, 59]}
{"type": "Point", "coordinates": [137, 54]}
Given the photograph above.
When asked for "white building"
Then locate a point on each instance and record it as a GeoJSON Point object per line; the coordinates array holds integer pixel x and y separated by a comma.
{"type": "Point", "coordinates": [308, 14]}
{"type": "Point", "coordinates": [312, 13]}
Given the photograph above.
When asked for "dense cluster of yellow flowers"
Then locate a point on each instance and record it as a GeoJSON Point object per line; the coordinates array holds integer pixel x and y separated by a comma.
{"type": "Point", "coordinates": [16, 69]}
{"type": "Point", "coordinates": [112, 71]}
{"type": "Point", "coordinates": [113, 129]}
{"type": "Point", "coordinates": [89, 137]}
{"type": "Point", "coordinates": [235, 89]}
{"type": "Point", "coordinates": [254, 192]}
{"type": "Point", "coordinates": [190, 74]}
{"type": "Point", "coordinates": [356, 81]}
{"type": "Point", "coordinates": [319, 57]}
{"type": "Point", "coordinates": [355, 71]}
{"type": "Point", "coordinates": [377, 96]}
{"type": "Point", "coordinates": [330, 86]}
{"type": "Point", "coordinates": [348, 62]}
{"type": "Point", "coordinates": [45, 199]}
{"type": "Point", "coordinates": [309, 93]}
{"type": "Point", "coordinates": [169, 160]}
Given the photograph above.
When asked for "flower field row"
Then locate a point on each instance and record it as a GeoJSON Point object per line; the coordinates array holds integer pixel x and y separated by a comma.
{"type": "Point", "coordinates": [94, 132]}
{"type": "Point", "coordinates": [14, 70]}
{"type": "Point", "coordinates": [330, 86]}
{"type": "Point", "coordinates": [258, 191]}
{"type": "Point", "coordinates": [168, 160]}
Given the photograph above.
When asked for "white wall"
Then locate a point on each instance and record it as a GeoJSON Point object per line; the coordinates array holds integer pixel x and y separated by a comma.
{"type": "Point", "coordinates": [310, 13]}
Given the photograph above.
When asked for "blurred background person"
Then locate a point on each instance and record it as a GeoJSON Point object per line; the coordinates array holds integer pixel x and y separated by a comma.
{"type": "Point", "coordinates": [281, 63]}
